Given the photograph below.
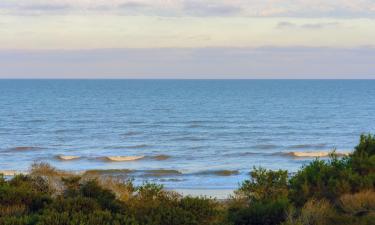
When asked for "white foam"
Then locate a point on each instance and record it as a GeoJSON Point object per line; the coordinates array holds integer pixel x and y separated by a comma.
{"type": "Point", "coordinates": [10, 172]}
{"type": "Point", "coordinates": [123, 158]}
{"type": "Point", "coordinates": [67, 157]}
{"type": "Point", "coordinates": [316, 154]}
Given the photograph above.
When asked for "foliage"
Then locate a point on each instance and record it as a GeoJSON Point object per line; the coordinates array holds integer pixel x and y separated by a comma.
{"type": "Point", "coordinates": [314, 212]}
{"type": "Point", "coordinates": [28, 199]}
{"type": "Point", "coordinates": [265, 185]}
{"type": "Point", "coordinates": [335, 177]}
{"type": "Point", "coordinates": [262, 199]}
{"type": "Point", "coordinates": [358, 203]}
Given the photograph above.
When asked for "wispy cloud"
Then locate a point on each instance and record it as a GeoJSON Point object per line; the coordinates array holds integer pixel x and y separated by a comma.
{"type": "Point", "coordinates": [321, 25]}
{"type": "Point", "coordinates": [247, 8]}
{"type": "Point", "coordinates": [201, 8]}
{"type": "Point", "coordinates": [46, 7]}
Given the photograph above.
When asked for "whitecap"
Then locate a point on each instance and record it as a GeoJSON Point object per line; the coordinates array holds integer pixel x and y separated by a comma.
{"type": "Point", "coordinates": [316, 154]}
{"type": "Point", "coordinates": [67, 157]}
{"type": "Point", "coordinates": [123, 158]}
{"type": "Point", "coordinates": [10, 172]}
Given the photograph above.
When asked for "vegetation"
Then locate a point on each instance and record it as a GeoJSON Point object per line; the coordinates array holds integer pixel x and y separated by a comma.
{"type": "Point", "coordinates": [335, 191]}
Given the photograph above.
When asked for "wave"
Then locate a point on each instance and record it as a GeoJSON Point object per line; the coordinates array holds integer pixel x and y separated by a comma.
{"type": "Point", "coordinates": [135, 122]}
{"type": "Point", "coordinates": [195, 126]}
{"type": "Point", "coordinates": [24, 148]}
{"type": "Point", "coordinates": [200, 121]}
{"type": "Point", "coordinates": [35, 121]}
{"type": "Point", "coordinates": [236, 154]}
{"type": "Point", "coordinates": [266, 146]}
{"type": "Point", "coordinates": [138, 146]}
{"type": "Point", "coordinates": [219, 172]}
{"type": "Point", "coordinates": [197, 147]}
{"type": "Point", "coordinates": [123, 158]}
{"type": "Point", "coordinates": [131, 133]}
{"type": "Point", "coordinates": [189, 139]}
{"type": "Point", "coordinates": [304, 146]}
{"type": "Point", "coordinates": [160, 157]}
{"type": "Point", "coordinates": [137, 173]}
{"type": "Point", "coordinates": [160, 173]}
{"type": "Point", "coordinates": [128, 147]}
{"type": "Point", "coordinates": [315, 154]}
{"type": "Point", "coordinates": [63, 131]}
{"type": "Point", "coordinates": [108, 172]}
{"type": "Point", "coordinates": [10, 172]}
{"type": "Point", "coordinates": [67, 157]}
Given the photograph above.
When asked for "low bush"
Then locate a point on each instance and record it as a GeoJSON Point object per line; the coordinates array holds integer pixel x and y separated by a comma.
{"type": "Point", "coordinates": [359, 203]}
{"type": "Point", "coordinates": [314, 212]}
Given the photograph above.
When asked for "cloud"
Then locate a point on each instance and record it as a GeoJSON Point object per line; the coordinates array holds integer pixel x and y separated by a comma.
{"type": "Point", "coordinates": [133, 5]}
{"type": "Point", "coordinates": [201, 8]}
{"type": "Point", "coordinates": [246, 8]}
{"type": "Point", "coordinates": [290, 25]}
{"type": "Point", "coordinates": [266, 62]}
{"type": "Point", "coordinates": [320, 25]}
{"type": "Point", "coordinates": [282, 25]}
{"type": "Point", "coordinates": [45, 7]}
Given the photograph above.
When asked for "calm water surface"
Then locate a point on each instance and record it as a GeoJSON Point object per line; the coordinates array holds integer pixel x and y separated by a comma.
{"type": "Point", "coordinates": [190, 132]}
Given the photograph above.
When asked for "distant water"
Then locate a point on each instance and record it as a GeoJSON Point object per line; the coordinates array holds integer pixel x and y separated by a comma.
{"type": "Point", "coordinates": [184, 134]}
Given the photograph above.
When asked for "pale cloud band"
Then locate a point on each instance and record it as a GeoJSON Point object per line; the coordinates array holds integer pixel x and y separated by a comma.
{"type": "Point", "coordinates": [114, 31]}
{"type": "Point", "coordinates": [247, 8]}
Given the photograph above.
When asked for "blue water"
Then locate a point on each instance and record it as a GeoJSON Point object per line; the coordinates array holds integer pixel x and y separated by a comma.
{"type": "Point", "coordinates": [202, 125]}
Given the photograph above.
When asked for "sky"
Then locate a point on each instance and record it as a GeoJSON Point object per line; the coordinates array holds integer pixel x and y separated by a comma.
{"type": "Point", "coordinates": [187, 39]}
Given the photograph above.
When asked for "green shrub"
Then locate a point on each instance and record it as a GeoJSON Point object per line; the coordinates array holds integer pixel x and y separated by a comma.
{"type": "Point", "coordinates": [321, 179]}
{"type": "Point", "coordinates": [265, 213]}
{"type": "Point", "coordinates": [363, 158]}
{"type": "Point", "coordinates": [265, 185]}
{"type": "Point", "coordinates": [262, 199]}
{"type": "Point", "coordinates": [335, 177]}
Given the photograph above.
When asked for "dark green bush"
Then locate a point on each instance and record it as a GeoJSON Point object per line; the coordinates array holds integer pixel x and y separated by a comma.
{"type": "Point", "coordinates": [262, 199]}
{"type": "Point", "coordinates": [363, 158]}
{"type": "Point", "coordinates": [265, 185]}
{"type": "Point", "coordinates": [335, 177]}
{"type": "Point", "coordinates": [256, 213]}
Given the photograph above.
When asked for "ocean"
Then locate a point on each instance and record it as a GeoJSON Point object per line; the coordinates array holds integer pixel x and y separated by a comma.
{"type": "Point", "coordinates": [184, 134]}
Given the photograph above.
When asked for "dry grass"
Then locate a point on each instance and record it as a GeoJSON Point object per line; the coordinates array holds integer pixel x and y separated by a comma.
{"type": "Point", "coordinates": [123, 190]}
{"type": "Point", "coordinates": [50, 174]}
{"type": "Point", "coordinates": [362, 202]}
{"type": "Point", "coordinates": [314, 212]}
{"type": "Point", "coordinates": [12, 210]}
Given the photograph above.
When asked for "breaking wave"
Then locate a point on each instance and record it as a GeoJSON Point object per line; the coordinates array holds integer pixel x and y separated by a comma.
{"type": "Point", "coordinates": [123, 158]}
{"type": "Point", "coordinates": [67, 157]}
{"type": "Point", "coordinates": [11, 172]}
{"type": "Point", "coordinates": [315, 154]}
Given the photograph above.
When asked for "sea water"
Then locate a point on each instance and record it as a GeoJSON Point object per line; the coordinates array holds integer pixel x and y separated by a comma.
{"type": "Point", "coordinates": [185, 134]}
